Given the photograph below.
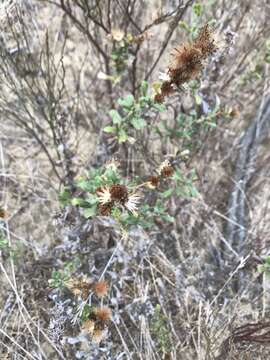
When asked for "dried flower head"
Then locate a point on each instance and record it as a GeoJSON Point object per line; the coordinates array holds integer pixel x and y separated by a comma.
{"type": "Point", "coordinates": [167, 88]}
{"type": "Point", "coordinates": [153, 182]}
{"type": "Point", "coordinates": [78, 287]}
{"type": "Point", "coordinates": [105, 209]}
{"type": "Point", "coordinates": [103, 314]}
{"type": "Point", "coordinates": [204, 42]}
{"type": "Point", "coordinates": [100, 288]}
{"type": "Point", "coordinates": [234, 112]}
{"type": "Point", "coordinates": [187, 62]}
{"type": "Point", "coordinates": [104, 195]}
{"type": "Point", "coordinates": [132, 203]}
{"type": "Point", "coordinates": [98, 335]}
{"type": "Point", "coordinates": [3, 213]}
{"type": "Point", "coordinates": [119, 193]}
{"type": "Point", "coordinates": [89, 326]}
{"type": "Point", "coordinates": [166, 169]}
{"type": "Point", "coordinates": [159, 98]}
{"type": "Point", "coordinates": [117, 34]}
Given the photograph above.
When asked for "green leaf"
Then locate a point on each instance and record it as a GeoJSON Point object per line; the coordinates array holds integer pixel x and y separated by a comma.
{"type": "Point", "coordinates": [116, 213]}
{"type": "Point", "coordinates": [89, 212]}
{"type": "Point", "coordinates": [144, 88]}
{"type": "Point", "coordinates": [159, 107]}
{"type": "Point", "coordinates": [116, 118]}
{"type": "Point", "coordinates": [198, 99]}
{"type": "Point", "coordinates": [260, 268]}
{"type": "Point", "coordinates": [78, 201]}
{"type": "Point", "coordinates": [193, 191]}
{"type": "Point", "coordinates": [91, 200]}
{"type": "Point", "coordinates": [197, 9]}
{"type": "Point", "coordinates": [87, 310]}
{"type": "Point", "coordinates": [168, 218]}
{"type": "Point", "coordinates": [85, 185]}
{"type": "Point", "coordinates": [3, 243]}
{"type": "Point", "coordinates": [184, 26]}
{"type": "Point", "coordinates": [138, 123]}
{"type": "Point", "coordinates": [64, 197]}
{"type": "Point", "coordinates": [110, 129]}
{"type": "Point", "coordinates": [123, 136]}
{"type": "Point", "coordinates": [127, 102]}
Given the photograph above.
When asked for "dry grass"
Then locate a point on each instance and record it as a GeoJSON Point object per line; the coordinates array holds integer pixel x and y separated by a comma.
{"type": "Point", "coordinates": [188, 268]}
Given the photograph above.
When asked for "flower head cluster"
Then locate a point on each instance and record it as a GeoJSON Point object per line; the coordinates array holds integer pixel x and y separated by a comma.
{"type": "Point", "coordinates": [82, 287]}
{"type": "Point", "coordinates": [109, 196]}
{"type": "Point", "coordinates": [165, 170]}
{"type": "Point", "coordinates": [97, 322]}
{"type": "Point", "coordinates": [187, 62]}
{"type": "Point", "coordinates": [79, 287]}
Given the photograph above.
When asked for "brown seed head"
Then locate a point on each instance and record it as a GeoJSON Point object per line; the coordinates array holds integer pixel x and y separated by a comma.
{"type": "Point", "coordinates": [100, 288]}
{"type": "Point", "coordinates": [159, 98]}
{"type": "Point", "coordinates": [89, 326]}
{"type": "Point", "coordinates": [103, 314]}
{"type": "Point", "coordinates": [98, 335]}
{"type": "Point", "coordinates": [78, 287]}
{"type": "Point", "coordinates": [153, 181]}
{"type": "Point", "coordinates": [119, 193]}
{"type": "Point", "coordinates": [205, 42]}
{"type": "Point", "coordinates": [185, 63]}
{"type": "Point", "coordinates": [105, 209]}
{"type": "Point", "coordinates": [3, 213]}
{"type": "Point", "coordinates": [166, 88]}
{"type": "Point", "coordinates": [234, 112]}
{"type": "Point", "coordinates": [167, 171]}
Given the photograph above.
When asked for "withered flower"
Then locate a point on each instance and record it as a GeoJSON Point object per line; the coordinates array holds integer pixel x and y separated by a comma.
{"type": "Point", "coordinates": [166, 169]}
{"type": "Point", "coordinates": [98, 335]}
{"type": "Point", "coordinates": [105, 209]}
{"type": "Point", "coordinates": [103, 314]}
{"type": "Point", "coordinates": [234, 112]}
{"type": "Point", "coordinates": [167, 88]}
{"type": "Point", "coordinates": [119, 193]}
{"type": "Point", "coordinates": [100, 288]}
{"type": "Point", "coordinates": [132, 203]}
{"type": "Point", "coordinates": [159, 98]}
{"type": "Point", "coordinates": [204, 42]}
{"type": "Point", "coordinates": [117, 34]}
{"type": "Point", "coordinates": [89, 326]}
{"type": "Point", "coordinates": [153, 182]}
{"type": "Point", "coordinates": [104, 195]}
{"type": "Point", "coordinates": [187, 62]}
{"type": "Point", "coordinates": [78, 287]}
{"type": "Point", "coordinates": [3, 213]}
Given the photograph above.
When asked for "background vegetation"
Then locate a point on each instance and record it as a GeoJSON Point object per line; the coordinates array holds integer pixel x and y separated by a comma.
{"type": "Point", "coordinates": [187, 276]}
